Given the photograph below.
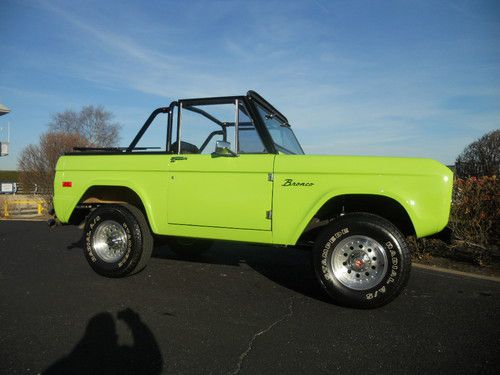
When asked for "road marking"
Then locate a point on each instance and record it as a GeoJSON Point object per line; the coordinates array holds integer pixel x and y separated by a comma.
{"type": "Point", "coordinates": [454, 272]}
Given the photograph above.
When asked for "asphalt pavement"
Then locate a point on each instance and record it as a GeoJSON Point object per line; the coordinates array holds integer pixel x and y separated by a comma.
{"type": "Point", "coordinates": [238, 309]}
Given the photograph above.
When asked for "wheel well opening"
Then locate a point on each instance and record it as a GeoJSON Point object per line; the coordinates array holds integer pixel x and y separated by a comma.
{"type": "Point", "coordinates": [98, 195]}
{"type": "Point", "coordinates": [382, 206]}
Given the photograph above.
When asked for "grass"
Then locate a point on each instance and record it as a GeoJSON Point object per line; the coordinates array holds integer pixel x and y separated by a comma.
{"type": "Point", "coordinates": [9, 176]}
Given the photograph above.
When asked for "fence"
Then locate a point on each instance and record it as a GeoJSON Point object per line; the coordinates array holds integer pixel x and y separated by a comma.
{"type": "Point", "coordinates": [31, 189]}
{"type": "Point", "coordinates": [23, 189]}
{"type": "Point", "coordinates": [22, 208]}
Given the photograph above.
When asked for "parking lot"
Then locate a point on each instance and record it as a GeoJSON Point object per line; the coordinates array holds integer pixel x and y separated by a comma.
{"type": "Point", "coordinates": [238, 309]}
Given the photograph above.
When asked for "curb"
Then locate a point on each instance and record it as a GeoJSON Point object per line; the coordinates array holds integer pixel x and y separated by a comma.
{"type": "Point", "coordinates": [456, 273]}
{"type": "Point", "coordinates": [25, 218]}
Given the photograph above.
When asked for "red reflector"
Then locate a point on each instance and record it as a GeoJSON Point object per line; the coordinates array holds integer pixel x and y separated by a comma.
{"type": "Point", "coordinates": [67, 184]}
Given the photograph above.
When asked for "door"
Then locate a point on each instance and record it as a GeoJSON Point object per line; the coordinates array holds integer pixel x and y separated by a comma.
{"type": "Point", "coordinates": [229, 192]}
{"type": "Point", "coordinates": [205, 188]}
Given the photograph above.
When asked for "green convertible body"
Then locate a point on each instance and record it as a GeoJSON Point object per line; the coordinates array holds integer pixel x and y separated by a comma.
{"type": "Point", "coordinates": [272, 197]}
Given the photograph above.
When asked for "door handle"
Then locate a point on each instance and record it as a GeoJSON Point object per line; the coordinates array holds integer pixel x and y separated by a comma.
{"type": "Point", "coordinates": [176, 158]}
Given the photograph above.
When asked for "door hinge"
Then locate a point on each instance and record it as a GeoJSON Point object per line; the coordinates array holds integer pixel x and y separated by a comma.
{"type": "Point", "coordinates": [270, 177]}
{"type": "Point", "coordinates": [269, 214]}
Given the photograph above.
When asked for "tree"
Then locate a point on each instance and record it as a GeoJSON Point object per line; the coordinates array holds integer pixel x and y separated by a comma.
{"type": "Point", "coordinates": [93, 123]}
{"type": "Point", "coordinates": [37, 163]}
{"type": "Point", "coordinates": [480, 158]}
{"type": "Point", "coordinates": [90, 127]}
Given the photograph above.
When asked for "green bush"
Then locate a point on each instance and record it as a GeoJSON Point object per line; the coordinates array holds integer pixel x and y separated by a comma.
{"type": "Point", "coordinates": [475, 216]}
{"type": "Point", "coordinates": [474, 220]}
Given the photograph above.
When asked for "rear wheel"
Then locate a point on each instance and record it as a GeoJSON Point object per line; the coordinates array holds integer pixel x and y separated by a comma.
{"type": "Point", "coordinates": [362, 260]}
{"type": "Point", "coordinates": [188, 247]}
{"type": "Point", "coordinates": [118, 241]}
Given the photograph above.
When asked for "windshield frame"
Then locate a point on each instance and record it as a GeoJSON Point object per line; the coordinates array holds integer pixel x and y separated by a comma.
{"type": "Point", "coordinates": [277, 116]}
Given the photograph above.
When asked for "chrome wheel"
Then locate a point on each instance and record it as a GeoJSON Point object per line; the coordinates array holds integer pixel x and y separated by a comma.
{"type": "Point", "coordinates": [359, 262]}
{"type": "Point", "coordinates": [110, 241]}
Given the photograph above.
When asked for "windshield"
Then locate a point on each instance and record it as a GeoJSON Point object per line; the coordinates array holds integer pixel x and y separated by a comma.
{"type": "Point", "coordinates": [282, 135]}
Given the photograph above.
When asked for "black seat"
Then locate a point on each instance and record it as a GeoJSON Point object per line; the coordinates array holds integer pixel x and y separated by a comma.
{"type": "Point", "coordinates": [186, 148]}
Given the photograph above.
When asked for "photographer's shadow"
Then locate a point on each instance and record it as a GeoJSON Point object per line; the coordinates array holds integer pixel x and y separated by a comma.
{"type": "Point", "coordinates": [98, 351]}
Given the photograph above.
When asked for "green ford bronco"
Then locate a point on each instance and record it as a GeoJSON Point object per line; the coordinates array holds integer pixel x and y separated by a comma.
{"type": "Point", "coordinates": [230, 168]}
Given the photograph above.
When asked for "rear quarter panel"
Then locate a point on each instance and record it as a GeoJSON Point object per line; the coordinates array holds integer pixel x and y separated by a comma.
{"type": "Point", "coordinates": [146, 175]}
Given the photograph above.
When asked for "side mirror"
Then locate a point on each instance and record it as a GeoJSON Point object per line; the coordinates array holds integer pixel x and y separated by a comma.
{"type": "Point", "coordinates": [223, 148]}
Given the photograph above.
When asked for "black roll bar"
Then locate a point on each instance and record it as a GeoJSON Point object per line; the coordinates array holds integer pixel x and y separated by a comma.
{"type": "Point", "coordinates": [146, 125]}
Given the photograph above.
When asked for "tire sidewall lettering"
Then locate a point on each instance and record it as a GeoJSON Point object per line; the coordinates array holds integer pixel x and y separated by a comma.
{"type": "Point", "coordinates": [88, 238]}
{"type": "Point", "coordinates": [129, 245]}
{"type": "Point", "coordinates": [326, 253]}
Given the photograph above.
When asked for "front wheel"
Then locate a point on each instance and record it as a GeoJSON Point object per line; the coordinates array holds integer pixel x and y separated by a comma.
{"type": "Point", "coordinates": [118, 241]}
{"type": "Point", "coordinates": [362, 260]}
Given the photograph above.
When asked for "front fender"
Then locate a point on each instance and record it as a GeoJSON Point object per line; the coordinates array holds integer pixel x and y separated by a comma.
{"type": "Point", "coordinates": [406, 204]}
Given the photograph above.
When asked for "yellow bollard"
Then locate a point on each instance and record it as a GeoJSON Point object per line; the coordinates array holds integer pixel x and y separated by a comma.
{"type": "Point", "coordinates": [5, 209]}
{"type": "Point", "coordinates": [39, 208]}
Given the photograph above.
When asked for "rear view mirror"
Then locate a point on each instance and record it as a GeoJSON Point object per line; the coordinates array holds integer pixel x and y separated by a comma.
{"type": "Point", "coordinates": [223, 148]}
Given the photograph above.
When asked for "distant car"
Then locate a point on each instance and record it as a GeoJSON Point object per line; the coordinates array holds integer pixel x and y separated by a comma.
{"type": "Point", "coordinates": [254, 185]}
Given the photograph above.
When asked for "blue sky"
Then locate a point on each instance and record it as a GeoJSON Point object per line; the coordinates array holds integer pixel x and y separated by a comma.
{"type": "Point", "coordinates": [405, 78]}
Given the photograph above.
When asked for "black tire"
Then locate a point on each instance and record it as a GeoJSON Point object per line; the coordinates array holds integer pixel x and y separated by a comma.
{"type": "Point", "coordinates": [368, 281]}
{"type": "Point", "coordinates": [136, 240]}
{"type": "Point", "coordinates": [188, 247]}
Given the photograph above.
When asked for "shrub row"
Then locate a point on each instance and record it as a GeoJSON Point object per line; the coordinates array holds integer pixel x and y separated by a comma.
{"type": "Point", "coordinates": [474, 220]}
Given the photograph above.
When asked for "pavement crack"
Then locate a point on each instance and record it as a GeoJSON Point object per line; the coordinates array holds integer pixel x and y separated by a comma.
{"type": "Point", "coordinates": [243, 355]}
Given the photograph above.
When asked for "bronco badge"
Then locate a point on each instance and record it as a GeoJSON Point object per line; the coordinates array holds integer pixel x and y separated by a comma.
{"type": "Point", "coordinates": [290, 182]}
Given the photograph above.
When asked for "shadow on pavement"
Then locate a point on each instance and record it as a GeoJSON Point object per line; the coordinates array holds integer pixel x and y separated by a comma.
{"type": "Point", "coordinates": [289, 267]}
{"type": "Point", "coordinates": [80, 244]}
{"type": "Point", "coordinates": [98, 351]}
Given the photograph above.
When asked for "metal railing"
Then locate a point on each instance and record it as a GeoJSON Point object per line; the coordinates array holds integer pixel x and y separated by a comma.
{"type": "Point", "coordinates": [33, 189]}
{"type": "Point", "coordinates": [23, 189]}
{"type": "Point", "coordinates": [23, 207]}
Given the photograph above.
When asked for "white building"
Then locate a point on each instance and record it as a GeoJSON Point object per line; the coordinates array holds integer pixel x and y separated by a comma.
{"type": "Point", "coordinates": [4, 145]}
